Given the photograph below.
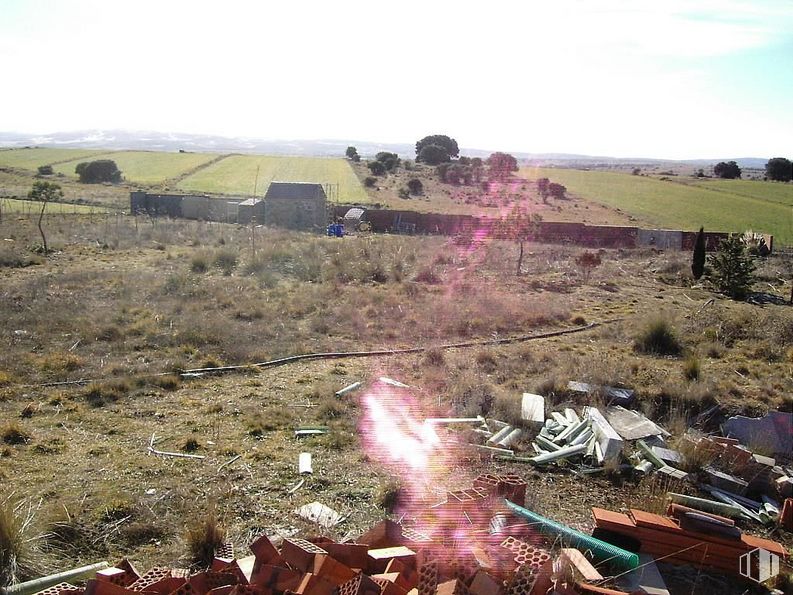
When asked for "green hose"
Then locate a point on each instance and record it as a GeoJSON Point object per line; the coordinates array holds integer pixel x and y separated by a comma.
{"type": "Point", "coordinates": [600, 550]}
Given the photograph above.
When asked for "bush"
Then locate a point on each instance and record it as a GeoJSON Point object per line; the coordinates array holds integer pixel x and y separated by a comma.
{"type": "Point", "coordinates": [13, 434]}
{"type": "Point", "coordinates": [732, 269]}
{"type": "Point", "coordinates": [199, 263]}
{"type": "Point", "coordinates": [45, 170]}
{"type": "Point", "coordinates": [658, 338]}
{"type": "Point", "coordinates": [95, 172]}
{"type": "Point", "coordinates": [17, 561]}
{"type": "Point", "coordinates": [369, 181]}
{"type": "Point", "coordinates": [403, 193]}
{"type": "Point", "coordinates": [377, 168]}
{"type": "Point", "coordinates": [415, 186]}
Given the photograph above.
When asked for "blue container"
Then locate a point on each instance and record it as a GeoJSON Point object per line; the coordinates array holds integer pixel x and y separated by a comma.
{"type": "Point", "coordinates": [340, 230]}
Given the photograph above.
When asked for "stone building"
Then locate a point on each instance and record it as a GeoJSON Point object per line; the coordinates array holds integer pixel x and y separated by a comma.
{"type": "Point", "coordinates": [296, 205]}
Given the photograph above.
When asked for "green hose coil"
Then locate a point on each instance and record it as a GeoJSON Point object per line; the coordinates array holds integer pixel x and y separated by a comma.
{"type": "Point", "coordinates": [600, 550]}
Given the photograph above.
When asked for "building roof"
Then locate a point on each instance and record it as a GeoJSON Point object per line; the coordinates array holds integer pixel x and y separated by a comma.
{"type": "Point", "coordinates": [354, 213]}
{"type": "Point", "coordinates": [295, 191]}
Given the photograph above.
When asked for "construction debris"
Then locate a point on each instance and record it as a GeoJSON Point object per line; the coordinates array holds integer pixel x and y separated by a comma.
{"type": "Point", "coordinates": [614, 396]}
{"type": "Point", "coordinates": [349, 389]}
{"type": "Point", "coordinates": [532, 409]}
{"type": "Point", "coordinates": [318, 513]}
{"type": "Point", "coordinates": [632, 425]}
{"type": "Point", "coordinates": [772, 432]}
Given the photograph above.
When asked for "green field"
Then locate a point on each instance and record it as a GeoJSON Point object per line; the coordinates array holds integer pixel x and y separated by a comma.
{"type": "Point", "coordinates": [237, 175]}
{"type": "Point", "coordinates": [723, 205]}
{"type": "Point", "coordinates": [146, 167]}
{"type": "Point", "coordinates": [13, 205]}
{"type": "Point", "coordinates": [32, 158]}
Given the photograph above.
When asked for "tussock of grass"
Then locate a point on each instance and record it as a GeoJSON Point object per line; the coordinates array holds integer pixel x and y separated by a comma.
{"type": "Point", "coordinates": [658, 338]}
{"type": "Point", "coordinates": [692, 368]}
{"type": "Point", "coordinates": [205, 535]}
{"type": "Point", "coordinates": [13, 434]}
{"type": "Point", "coordinates": [20, 559]}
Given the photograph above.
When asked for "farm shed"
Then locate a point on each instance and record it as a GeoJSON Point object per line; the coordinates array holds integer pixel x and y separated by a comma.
{"type": "Point", "coordinates": [296, 205]}
{"type": "Point", "coordinates": [248, 209]}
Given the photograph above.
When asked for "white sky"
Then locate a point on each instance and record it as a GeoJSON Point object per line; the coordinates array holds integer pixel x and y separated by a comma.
{"type": "Point", "coordinates": [672, 79]}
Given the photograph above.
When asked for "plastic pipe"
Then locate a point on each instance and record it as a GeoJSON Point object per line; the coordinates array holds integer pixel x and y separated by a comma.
{"type": "Point", "coordinates": [559, 454]}
{"type": "Point", "coordinates": [599, 550]}
{"type": "Point", "coordinates": [39, 584]}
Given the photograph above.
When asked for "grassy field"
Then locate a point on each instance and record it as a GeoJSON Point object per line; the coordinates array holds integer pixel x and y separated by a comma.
{"type": "Point", "coordinates": [718, 205]}
{"type": "Point", "coordinates": [147, 167]}
{"type": "Point", "coordinates": [237, 175]}
{"type": "Point", "coordinates": [12, 205]}
{"type": "Point", "coordinates": [32, 158]}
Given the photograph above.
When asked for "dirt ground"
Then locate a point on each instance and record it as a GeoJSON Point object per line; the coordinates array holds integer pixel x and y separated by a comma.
{"type": "Point", "coordinates": [121, 300]}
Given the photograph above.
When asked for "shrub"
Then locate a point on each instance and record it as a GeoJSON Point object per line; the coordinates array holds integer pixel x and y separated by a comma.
{"type": "Point", "coordinates": [98, 394]}
{"type": "Point", "coordinates": [658, 338]}
{"type": "Point", "coordinates": [434, 358]}
{"type": "Point", "coordinates": [389, 495]}
{"type": "Point", "coordinates": [732, 269]}
{"type": "Point", "coordinates": [369, 181]}
{"type": "Point", "coordinates": [45, 170]}
{"type": "Point", "coordinates": [377, 168]}
{"type": "Point", "coordinates": [427, 275]}
{"type": "Point", "coordinates": [205, 535]}
{"type": "Point", "coordinates": [587, 262]}
{"type": "Point", "coordinates": [17, 561]}
{"type": "Point", "coordinates": [95, 172]}
{"type": "Point", "coordinates": [415, 186]}
{"type": "Point", "coordinates": [403, 193]}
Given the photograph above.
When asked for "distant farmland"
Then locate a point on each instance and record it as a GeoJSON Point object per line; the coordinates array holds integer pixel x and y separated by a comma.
{"type": "Point", "coordinates": [147, 167]}
{"type": "Point", "coordinates": [32, 158]}
{"type": "Point", "coordinates": [237, 175]}
{"type": "Point", "coordinates": [718, 205]}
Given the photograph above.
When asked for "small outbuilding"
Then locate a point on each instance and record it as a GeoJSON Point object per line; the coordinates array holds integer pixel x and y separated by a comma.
{"type": "Point", "coordinates": [248, 209]}
{"type": "Point", "coordinates": [296, 205]}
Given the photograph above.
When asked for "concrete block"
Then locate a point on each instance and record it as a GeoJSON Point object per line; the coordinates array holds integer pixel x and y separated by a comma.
{"type": "Point", "coordinates": [667, 456]}
{"type": "Point", "coordinates": [607, 438]}
{"type": "Point", "coordinates": [532, 408]}
{"type": "Point", "coordinates": [725, 481]}
{"type": "Point", "coordinates": [673, 473]}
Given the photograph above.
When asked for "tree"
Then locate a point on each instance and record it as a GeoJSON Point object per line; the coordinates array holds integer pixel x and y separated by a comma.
{"type": "Point", "coordinates": [728, 170]}
{"type": "Point", "coordinates": [520, 226]}
{"type": "Point", "coordinates": [501, 165]}
{"type": "Point", "coordinates": [45, 170]}
{"type": "Point", "coordinates": [732, 268]}
{"type": "Point", "coordinates": [587, 262]}
{"type": "Point", "coordinates": [377, 168]}
{"type": "Point", "coordinates": [542, 186]}
{"type": "Point", "coordinates": [433, 155]}
{"type": "Point", "coordinates": [556, 190]}
{"type": "Point", "coordinates": [101, 170]}
{"type": "Point", "coordinates": [441, 140]}
{"type": "Point", "coordinates": [44, 192]}
{"type": "Point", "coordinates": [389, 160]}
{"type": "Point", "coordinates": [636, 171]}
{"type": "Point", "coordinates": [415, 186]}
{"type": "Point", "coordinates": [779, 169]}
{"type": "Point", "coordinates": [351, 152]}
{"type": "Point", "coordinates": [698, 258]}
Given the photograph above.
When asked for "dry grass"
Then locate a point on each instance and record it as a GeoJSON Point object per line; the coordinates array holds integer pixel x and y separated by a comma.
{"type": "Point", "coordinates": [205, 534]}
{"type": "Point", "coordinates": [19, 557]}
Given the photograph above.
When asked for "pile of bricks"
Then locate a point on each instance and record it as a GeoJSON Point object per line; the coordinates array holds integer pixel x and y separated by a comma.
{"type": "Point", "coordinates": [467, 545]}
{"type": "Point", "coordinates": [662, 536]}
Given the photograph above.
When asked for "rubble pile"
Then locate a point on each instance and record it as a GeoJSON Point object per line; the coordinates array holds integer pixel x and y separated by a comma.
{"type": "Point", "coordinates": [478, 541]}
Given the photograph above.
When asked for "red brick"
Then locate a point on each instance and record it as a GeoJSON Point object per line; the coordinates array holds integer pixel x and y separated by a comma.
{"type": "Point", "coordinates": [484, 584]}
{"type": "Point", "coordinates": [580, 564]}
{"type": "Point", "coordinates": [114, 575]}
{"type": "Point", "coordinates": [221, 590]}
{"type": "Point", "coordinates": [379, 558]}
{"type": "Point", "coordinates": [60, 589]}
{"type": "Point", "coordinates": [314, 585]}
{"type": "Point", "coordinates": [276, 578]}
{"type": "Point", "coordinates": [408, 574]}
{"type": "Point", "coordinates": [331, 570]}
{"type": "Point", "coordinates": [354, 555]}
{"type": "Point", "coordinates": [395, 577]}
{"type": "Point", "coordinates": [130, 570]}
{"type": "Point", "coordinates": [387, 587]}
{"type": "Point", "coordinates": [264, 550]}
{"type": "Point", "coordinates": [386, 533]}
{"type": "Point", "coordinates": [99, 587]}
{"type": "Point", "coordinates": [300, 554]}
{"type": "Point", "coordinates": [360, 584]}
{"type": "Point", "coordinates": [452, 587]}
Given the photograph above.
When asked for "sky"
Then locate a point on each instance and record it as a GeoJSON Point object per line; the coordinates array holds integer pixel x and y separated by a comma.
{"type": "Point", "coordinates": [678, 79]}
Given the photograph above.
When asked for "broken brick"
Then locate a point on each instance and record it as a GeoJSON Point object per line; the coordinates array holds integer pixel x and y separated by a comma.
{"type": "Point", "coordinates": [379, 558]}
{"type": "Point", "coordinates": [484, 584]}
{"type": "Point", "coordinates": [331, 570]}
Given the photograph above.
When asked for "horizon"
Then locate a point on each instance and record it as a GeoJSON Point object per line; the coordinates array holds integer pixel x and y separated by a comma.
{"type": "Point", "coordinates": [568, 78]}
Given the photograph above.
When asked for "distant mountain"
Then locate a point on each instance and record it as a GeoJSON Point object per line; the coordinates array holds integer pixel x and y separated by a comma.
{"type": "Point", "coordinates": [164, 141]}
